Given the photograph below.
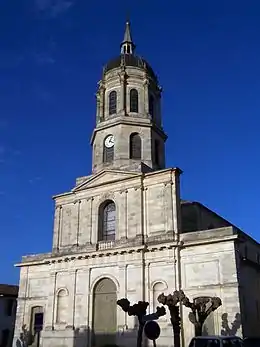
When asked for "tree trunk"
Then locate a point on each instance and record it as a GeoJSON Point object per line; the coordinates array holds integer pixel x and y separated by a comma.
{"type": "Point", "coordinates": [198, 329]}
{"type": "Point", "coordinates": [176, 333]}
{"type": "Point", "coordinates": [140, 333]}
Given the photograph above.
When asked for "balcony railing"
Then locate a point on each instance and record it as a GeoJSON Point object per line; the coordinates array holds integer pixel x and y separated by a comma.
{"type": "Point", "coordinates": [102, 245]}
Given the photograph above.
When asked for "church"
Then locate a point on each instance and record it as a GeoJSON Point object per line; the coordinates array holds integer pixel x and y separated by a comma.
{"type": "Point", "coordinates": [124, 231]}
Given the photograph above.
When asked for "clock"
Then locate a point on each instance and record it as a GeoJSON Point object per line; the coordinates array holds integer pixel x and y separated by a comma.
{"type": "Point", "coordinates": [110, 141]}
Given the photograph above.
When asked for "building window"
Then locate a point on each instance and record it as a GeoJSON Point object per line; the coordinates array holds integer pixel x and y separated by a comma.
{"type": "Point", "coordinates": [112, 102]}
{"type": "Point", "coordinates": [5, 337]}
{"type": "Point", "coordinates": [133, 100]}
{"type": "Point", "coordinates": [62, 306]}
{"type": "Point", "coordinates": [157, 152]}
{"type": "Point", "coordinates": [151, 105]}
{"type": "Point", "coordinates": [9, 307]}
{"type": "Point", "coordinates": [36, 319]}
{"type": "Point", "coordinates": [107, 218]}
{"type": "Point", "coordinates": [158, 289]}
{"type": "Point", "coordinates": [108, 153]}
{"type": "Point", "coordinates": [135, 146]}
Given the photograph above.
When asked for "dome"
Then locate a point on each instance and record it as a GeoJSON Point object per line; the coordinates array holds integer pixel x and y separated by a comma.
{"type": "Point", "coordinates": [130, 60]}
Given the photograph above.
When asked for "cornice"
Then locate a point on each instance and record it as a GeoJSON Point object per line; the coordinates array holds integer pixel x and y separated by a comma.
{"type": "Point", "coordinates": [144, 248]}
{"type": "Point", "coordinates": [99, 254]}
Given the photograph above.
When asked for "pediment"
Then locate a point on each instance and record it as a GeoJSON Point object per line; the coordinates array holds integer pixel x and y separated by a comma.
{"type": "Point", "coordinates": [105, 177]}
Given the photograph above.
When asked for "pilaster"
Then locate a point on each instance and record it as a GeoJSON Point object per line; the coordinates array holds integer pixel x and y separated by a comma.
{"type": "Point", "coordinates": [146, 97]}
{"type": "Point", "coordinates": [85, 222]}
{"type": "Point", "coordinates": [98, 108]}
{"type": "Point", "coordinates": [168, 206]}
{"type": "Point", "coordinates": [122, 76]}
{"type": "Point", "coordinates": [176, 206]}
{"type": "Point", "coordinates": [122, 276]}
{"type": "Point", "coordinates": [71, 305]}
{"type": "Point", "coordinates": [123, 217]}
{"type": "Point", "coordinates": [57, 227]}
{"type": "Point", "coordinates": [102, 102]}
{"type": "Point", "coordinates": [51, 303]}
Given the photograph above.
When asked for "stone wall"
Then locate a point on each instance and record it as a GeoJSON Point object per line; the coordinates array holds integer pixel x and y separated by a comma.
{"type": "Point", "coordinates": [146, 205]}
{"type": "Point", "coordinates": [210, 269]}
{"type": "Point", "coordinates": [248, 264]}
{"type": "Point", "coordinates": [207, 268]}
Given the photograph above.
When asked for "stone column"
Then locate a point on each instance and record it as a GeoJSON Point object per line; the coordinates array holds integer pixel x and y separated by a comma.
{"type": "Point", "coordinates": [122, 77]}
{"type": "Point", "coordinates": [50, 312]}
{"type": "Point", "coordinates": [102, 102]}
{"type": "Point", "coordinates": [57, 227]}
{"type": "Point", "coordinates": [146, 97]}
{"type": "Point", "coordinates": [98, 107]}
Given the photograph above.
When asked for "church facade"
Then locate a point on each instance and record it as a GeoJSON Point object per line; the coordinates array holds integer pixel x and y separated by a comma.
{"type": "Point", "coordinates": [123, 231]}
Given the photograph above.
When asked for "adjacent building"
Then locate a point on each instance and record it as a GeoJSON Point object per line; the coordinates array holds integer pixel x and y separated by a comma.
{"type": "Point", "coordinates": [124, 231]}
{"type": "Point", "coordinates": [8, 297]}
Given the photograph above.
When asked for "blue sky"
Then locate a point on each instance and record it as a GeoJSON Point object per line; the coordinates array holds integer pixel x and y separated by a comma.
{"type": "Point", "coordinates": [206, 54]}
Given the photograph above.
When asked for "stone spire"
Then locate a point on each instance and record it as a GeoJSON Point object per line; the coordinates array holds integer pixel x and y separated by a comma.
{"type": "Point", "coordinates": [127, 46]}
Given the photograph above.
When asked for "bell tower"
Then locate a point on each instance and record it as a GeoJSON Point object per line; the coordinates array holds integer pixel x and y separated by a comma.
{"type": "Point", "coordinates": [128, 133]}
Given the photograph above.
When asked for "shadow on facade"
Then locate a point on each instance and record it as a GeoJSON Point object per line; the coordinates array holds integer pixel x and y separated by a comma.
{"type": "Point", "coordinates": [230, 329]}
{"type": "Point", "coordinates": [88, 338]}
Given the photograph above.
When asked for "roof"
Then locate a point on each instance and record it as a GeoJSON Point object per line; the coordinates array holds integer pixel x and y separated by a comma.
{"type": "Point", "coordinates": [9, 290]}
{"type": "Point", "coordinates": [130, 60]}
{"type": "Point", "coordinates": [127, 35]}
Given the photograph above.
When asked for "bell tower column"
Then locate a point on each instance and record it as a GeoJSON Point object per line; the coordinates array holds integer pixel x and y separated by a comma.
{"type": "Point", "coordinates": [122, 77]}
{"type": "Point", "coordinates": [146, 97]}
{"type": "Point", "coordinates": [101, 101]}
{"type": "Point", "coordinates": [98, 108]}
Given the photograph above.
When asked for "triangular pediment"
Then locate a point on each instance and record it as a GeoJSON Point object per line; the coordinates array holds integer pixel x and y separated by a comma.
{"type": "Point", "coordinates": [105, 177]}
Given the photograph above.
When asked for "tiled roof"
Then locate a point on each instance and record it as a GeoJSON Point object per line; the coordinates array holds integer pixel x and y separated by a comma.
{"type": "Point", "coordinates": [9, 290]}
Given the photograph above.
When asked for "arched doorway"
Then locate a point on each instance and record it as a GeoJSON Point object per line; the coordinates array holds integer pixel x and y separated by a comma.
{"type": "Point", "coordinates": [104, 324]}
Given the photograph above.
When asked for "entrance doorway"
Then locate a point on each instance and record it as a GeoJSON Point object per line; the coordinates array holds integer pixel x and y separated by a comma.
{"type": "Point", "coordinates": [104, 327]}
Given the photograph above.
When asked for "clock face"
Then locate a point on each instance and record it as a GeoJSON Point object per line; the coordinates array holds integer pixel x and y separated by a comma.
{"type": "Point", "coordinates": [110, 141]}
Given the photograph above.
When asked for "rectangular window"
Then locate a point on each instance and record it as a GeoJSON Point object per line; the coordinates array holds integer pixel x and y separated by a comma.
{"type": "Point", "coordinates": [9, 307]}
{"type": "Point", "coordinates": [5, 337]}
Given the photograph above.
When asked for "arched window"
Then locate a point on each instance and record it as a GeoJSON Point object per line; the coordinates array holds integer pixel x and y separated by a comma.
{"type": "Point", "coordinates": [133, 100]}
{"type": "Point", "coordinates": [36, 319]}
{"type": "Point", "coordinates": [112, 102]}
{"type": "Point", "coordinates": [107, 221]}
{"type": "Point", "coordinates": [108, 150]}
{"type": "Point", "coordinates": [157, 152]}
{"type": "Point", "coordinates": [151, 105]}
{"type": "Point", "coordinates": [62, 306]}
{"type": "Point", "coordinates": [158, 289]}
{"type": "Point", "coordinates": [135, 146]}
